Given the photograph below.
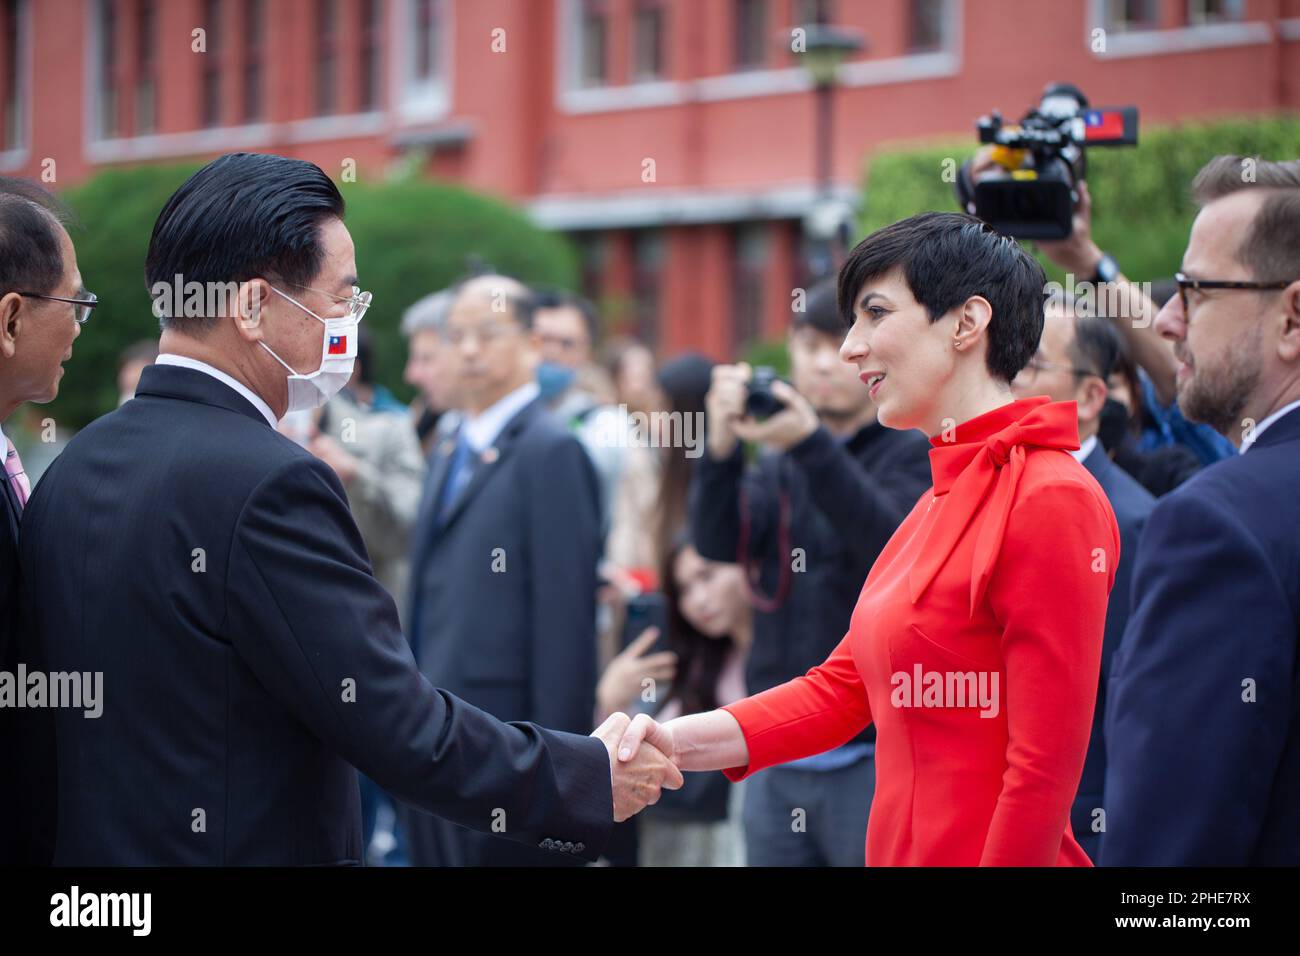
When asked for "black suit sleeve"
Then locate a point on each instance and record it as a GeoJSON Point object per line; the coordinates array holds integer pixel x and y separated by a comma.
{"type": "Point", "coordinates": [1200, 698]}
{"type": "Point", "coordinates": [564, 548]}
{"type": "Point", "coordinates": [865, 509]}
{"type": "Point", "coordinates": [307, 616]}
{"type": "Point", "coordinates": [715, 508]}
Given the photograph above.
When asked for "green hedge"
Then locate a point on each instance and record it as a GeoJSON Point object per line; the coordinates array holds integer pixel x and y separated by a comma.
{"type": "Point", "coordinates": [1142, 209]}
{"type": "Point", "coordinates": [412, 237]}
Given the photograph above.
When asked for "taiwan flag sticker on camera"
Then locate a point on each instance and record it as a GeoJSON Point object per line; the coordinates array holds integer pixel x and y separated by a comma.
{"type": "Point", "coordinates": [338, 345]}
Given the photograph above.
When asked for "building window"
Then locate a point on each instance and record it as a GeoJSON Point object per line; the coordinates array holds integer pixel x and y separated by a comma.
{"type": "Point", "coordinates": [210, 83]}
{"type": "Point", "coordinates": [592, 251]}
{"type": "Point", "coordinates": [925, 27]}
{"type": "Point", "coordinates": [813, 11]}
{"type": "Point", "coordinates": [751, 34]}
{"type": "Point", "coordinates": [146, 86]}
{"type": "Point", "coordinates": [647, 40]}
{"type": "Point", "coordinates": [748, 271]}
{"type": "Point", "coordinates": [1201, 12]}
{"type": "Point", "coordinates": [425, 37]}
{"type": "Point", "coordinates": [647, 279]}
{"type": "Point", "coordinates": [592, 33]}
{"type": "Point", "coordinates": [253, 48]}
{"type": "Point", "coordinates": [327, 59]}
{"type": "Point", "coordinates": [108, 123]}
{"type": "Point", "coordinates": [12, 118]}
{"type": "Point", "coordinates": [1126, 15]}
{"type": "Point", "coordinates": [370, 59]}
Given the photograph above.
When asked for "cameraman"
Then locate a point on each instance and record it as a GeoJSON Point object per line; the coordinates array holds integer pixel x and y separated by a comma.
{"type": "Point", "coordinates": [1079, 256]}
{"type": "Point", "coordinates": [808, 519]}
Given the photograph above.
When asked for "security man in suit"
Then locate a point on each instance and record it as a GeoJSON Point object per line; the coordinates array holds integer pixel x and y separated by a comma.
{"type": "Point", "coordinates": [1203, 713]}
{"type": "Point", "coordinates": [210, 570]}
{"type": "Point", "coordinates": [42, 309]}
{"type": "Point", "coordinates": [1073, 362]}
{"type": "Point", "coordinates": [503, 571]}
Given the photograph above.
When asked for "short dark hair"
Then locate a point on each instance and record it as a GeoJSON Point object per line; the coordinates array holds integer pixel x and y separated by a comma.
{"type": "Point", "coordinates": [548, 298]}
{"type": "Point", "coordinates": [242, 215]}
{"type": "Point", "coordinates": [946, 258]}
{"type": "Point", "coordinates": [1271, 247]}
{"type": "Point", "coordinates": [820, 310]}
{"type": "Point", "coordinates": [1095, 346]}
{"type": "Point", "coordinates": [31, 253]}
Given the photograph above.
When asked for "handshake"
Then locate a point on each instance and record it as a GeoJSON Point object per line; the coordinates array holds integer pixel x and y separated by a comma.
{"type": "Point", "coordinates": [638, 774]}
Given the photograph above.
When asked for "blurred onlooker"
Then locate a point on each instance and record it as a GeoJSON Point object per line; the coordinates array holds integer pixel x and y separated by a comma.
{"type": "Point", "coordinates": [134, 360]}
{"type": "Point", "coordinates": [830, 489]}
{"type": "Point", "coordinates": [682, 384]}
{"type": "Point", "coordinates": [1088, 266]}
{"type": "Point", "coordinates": [710, 627]}
{"type": "Point", "coordinates": [430, 368]}
{"type": "Point", "coordinates": [1073, 362]}
{"type": "Point", "coordinates": [632, 367]}
{"type": "Point", "coordinates": [565, 328]}
{"type": "Point", "coordinates": [1202, 724]}
{"type": "Point", "coordinates": [1123, 417]}
{"type": "Point", "coordinates": [504, 554]}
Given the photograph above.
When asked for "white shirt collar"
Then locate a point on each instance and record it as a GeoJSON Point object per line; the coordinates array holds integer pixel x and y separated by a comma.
{"type": "Point", "coordinates": [482, 429]}
{"type": "Point", "coordinates": [1259, 429]}
{"type": "Point", "coordinates": [184, 361]}
{"type": "Point", "coordinates": [1085, 449]}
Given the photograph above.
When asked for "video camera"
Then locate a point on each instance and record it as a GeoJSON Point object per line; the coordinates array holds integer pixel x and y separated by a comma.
{"type": "Point", "coordinates": [1030, 193]}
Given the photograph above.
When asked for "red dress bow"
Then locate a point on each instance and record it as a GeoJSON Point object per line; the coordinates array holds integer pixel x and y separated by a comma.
{"type": "Point", "coordinates": [970, 471]}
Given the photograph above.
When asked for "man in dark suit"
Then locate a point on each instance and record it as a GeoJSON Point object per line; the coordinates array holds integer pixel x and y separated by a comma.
{"type": "Point", "coordinates": [1203, 715]}
{"type": "Point", "coordinates": [1074, 360]}
{"type": "Point", "coordinates": [42, 307]}
{"type": "Point", "coordinates": [503, 571]}
{"type": "Point", "coordinates": [209, 568]}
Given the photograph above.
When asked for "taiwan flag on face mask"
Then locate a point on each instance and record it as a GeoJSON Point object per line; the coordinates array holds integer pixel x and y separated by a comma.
{"type": "Point", "coordinates": [338, 345]}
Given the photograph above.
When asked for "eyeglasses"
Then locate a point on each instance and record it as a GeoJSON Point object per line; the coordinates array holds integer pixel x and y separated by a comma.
{"type": "Point", "coordinates": [1036, 365]}
{"type": "Point", "coordinates": [84, 305]}
{"type": "Point", "coordinates": [1184, 283]}
{"type": "Point", "coordinates": [358, 302]}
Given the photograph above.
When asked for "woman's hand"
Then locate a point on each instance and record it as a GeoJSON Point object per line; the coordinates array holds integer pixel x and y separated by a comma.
{"type": "Point", "coordinates": [645, 729]}
{"type": "Point", "coordinates": [622, 681]}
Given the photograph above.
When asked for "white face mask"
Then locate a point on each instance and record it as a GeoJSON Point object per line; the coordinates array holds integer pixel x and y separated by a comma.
{"type": "Point", "coordinates": [338, 356]}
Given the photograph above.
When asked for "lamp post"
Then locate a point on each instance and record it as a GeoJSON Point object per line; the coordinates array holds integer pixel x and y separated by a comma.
{"type": "Point", "coordinates": [825, 48]}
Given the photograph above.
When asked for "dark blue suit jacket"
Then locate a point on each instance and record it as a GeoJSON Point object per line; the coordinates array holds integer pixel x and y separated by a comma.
{"type": "Point", "coordinates": [1203, 715]}
{"type": "Point", "coordinates": [11, 830]}
{"type": "Point", "coordinates": [210, 568]}
{"type": "Point", "coordinates": [1132, 504]}
{"type": "Point", "coordinates": [503, 589]}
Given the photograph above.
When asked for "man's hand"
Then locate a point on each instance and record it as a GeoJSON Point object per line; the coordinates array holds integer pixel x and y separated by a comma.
{"type": "Point", "coordinates": [725, 405]}
{"type": "Point", "coordinates": [1077, 253]}
{"type": "Point", "coordinates": [785, 429]}
{"type": "Point", "coordinates": [637, 781]}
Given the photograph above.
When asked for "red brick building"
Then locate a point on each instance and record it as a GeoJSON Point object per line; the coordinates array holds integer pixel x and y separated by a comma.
{"type": "Point", "coordinates": [673, 139]}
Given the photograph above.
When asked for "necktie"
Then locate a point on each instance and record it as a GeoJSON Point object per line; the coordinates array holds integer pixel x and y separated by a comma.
{"type": "Point", "coordinates": [458, 475]}
{"type": "Point", "coordinates": [15, 475]}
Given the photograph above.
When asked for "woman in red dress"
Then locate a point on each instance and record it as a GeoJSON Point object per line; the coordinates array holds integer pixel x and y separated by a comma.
{"type": "Point", "coordinates": [976, 642]}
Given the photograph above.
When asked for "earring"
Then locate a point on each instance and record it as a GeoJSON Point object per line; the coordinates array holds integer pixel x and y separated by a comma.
{"type": "Point", "coordinates": [957, 343]}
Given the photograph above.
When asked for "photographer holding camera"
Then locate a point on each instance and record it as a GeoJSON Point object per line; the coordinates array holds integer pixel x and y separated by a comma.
{"type": "Point", "coordinates": [807, 520]}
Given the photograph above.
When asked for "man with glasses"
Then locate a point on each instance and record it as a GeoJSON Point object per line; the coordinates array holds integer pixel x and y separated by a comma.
{"type": "Point", "coordinates": [504, 552]}
{"type": "Point", "coordinates": [42, 309]}
{"type": "Point", "coordinates": [1073, 363]}
{"type": "Point", "coordinates": [210, 570]}
{"type": "Point", "coordinates": [1203, 713]}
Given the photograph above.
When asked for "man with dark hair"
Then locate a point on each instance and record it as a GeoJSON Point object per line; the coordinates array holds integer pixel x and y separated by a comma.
{"type": "Point", "coordinates": [209, 569]}
{"type": "Point", "coordinates": [42, 308]}
{"type": "Point", "coordinates": [1074, 361]}
{"type": "Point", "coordinates": [504, 552]}
{"type": "Point", "coordinates": [1202, 723]}
{"type": "Point", "coordinates": [811, 517]}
